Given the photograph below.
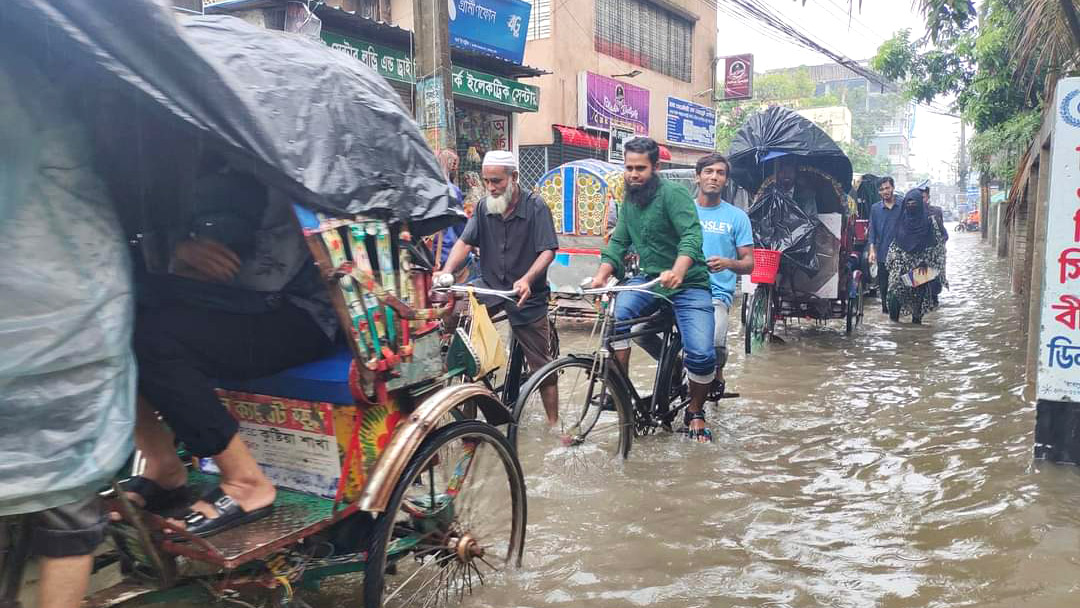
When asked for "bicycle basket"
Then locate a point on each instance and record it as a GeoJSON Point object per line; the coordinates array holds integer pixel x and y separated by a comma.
{"type": "Point", "coordinates": [766, 265]}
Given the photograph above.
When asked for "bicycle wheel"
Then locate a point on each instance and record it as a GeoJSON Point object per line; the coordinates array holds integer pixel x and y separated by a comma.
{"type": "Point", "coordinates": [595, 422]}
{"type": "Point", "coordinates": [758, 318]}
{"type": "Point", "coordinates": [455, 520]}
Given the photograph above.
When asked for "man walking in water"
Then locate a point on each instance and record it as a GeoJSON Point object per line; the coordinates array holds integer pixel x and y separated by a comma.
{"type": "Point", "coordinates": [883, 218]}
{"type": "Point", "coordinates": [659, 220]}
{"type": "Point", "coordinates": [728, 245]}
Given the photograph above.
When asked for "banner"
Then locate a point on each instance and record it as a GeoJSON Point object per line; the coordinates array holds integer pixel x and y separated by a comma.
{"type": "Point", "coordinates": [617, 138]}
{"type": "Point", "coordinates": [1058, 378]}
{"type": "Point", "coordinates": [603, 100]}
{"type": "Point", "coordinates": [491, 27]}
{"type": "Point", "coordinates": [738, 77]}
{"type": "Point", "coordinates": [690, 124]}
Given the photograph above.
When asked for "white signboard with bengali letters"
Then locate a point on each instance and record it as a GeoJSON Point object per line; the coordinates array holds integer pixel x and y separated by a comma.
{"type": "Point", "coordinates": [1059, 338]}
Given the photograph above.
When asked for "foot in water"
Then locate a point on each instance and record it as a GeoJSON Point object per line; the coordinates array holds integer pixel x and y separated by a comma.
{"type": "Point", "coordinates": [696, 429]}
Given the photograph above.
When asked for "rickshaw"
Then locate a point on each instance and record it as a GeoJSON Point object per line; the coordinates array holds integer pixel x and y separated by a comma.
{"type": "Point", "coordinates": [382, 467]}
{"type": "Point", "coordinates": [807, 265]}
{"type": "Point", "coordinates": [582, 196]}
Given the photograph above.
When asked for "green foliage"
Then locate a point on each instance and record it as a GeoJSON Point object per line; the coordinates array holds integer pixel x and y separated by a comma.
{"type": "Point", "coordinates": [997, 150]}
{"type": "Point", "coordinates": [864, 162]}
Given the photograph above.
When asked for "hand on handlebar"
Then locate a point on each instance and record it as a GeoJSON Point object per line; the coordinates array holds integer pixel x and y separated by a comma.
{"type": "Point", "coordinates": [670, 279]}
{"type": "Point", "coordinates": [521, 286]}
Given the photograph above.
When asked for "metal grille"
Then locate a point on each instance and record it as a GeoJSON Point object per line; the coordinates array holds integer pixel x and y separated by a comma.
{"type": "Point", "coordinates": [644, 34]}
{"type": "Point", "coordinates": [540, 19]}
{"type": "Point", "coordinates": [533, 164]}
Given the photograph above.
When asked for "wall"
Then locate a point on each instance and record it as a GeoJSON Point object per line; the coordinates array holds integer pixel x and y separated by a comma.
{"type": "Point", "coordinates": [834, 120]}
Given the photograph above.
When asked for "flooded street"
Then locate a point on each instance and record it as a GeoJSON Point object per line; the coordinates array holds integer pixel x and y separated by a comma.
{"type": "Point", "coordinates": [892, 468]}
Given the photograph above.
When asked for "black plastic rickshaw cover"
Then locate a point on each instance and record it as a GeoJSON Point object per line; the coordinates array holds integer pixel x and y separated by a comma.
{"type": "Point", "coordinates": [782, 130]}
{"type": "Point", "coordinates": [312, 121]}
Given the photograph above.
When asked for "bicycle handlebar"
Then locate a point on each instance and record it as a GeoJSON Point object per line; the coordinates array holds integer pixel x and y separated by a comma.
{"type": "Point", "coordinates": [599, 291]}
{"type": "Point", "coordinates": [509, 294]}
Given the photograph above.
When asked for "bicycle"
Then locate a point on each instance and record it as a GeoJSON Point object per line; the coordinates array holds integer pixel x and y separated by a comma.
{"type": "Point", "coordinates": [600, 408]}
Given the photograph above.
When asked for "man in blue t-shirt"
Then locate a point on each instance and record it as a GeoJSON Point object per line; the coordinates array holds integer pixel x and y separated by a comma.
{"type": "Point", "coordinates": [728, 246]}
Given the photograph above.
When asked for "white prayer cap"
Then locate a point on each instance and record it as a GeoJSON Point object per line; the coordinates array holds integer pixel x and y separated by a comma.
{"type": "Point", "coordinates": [500, 158]}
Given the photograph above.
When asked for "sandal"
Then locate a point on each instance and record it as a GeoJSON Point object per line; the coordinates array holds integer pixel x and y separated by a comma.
{"type": "Point", "coordinates": [700, 435]}
{"type": "Point", "coordinates": [156, 499]}
{"type": "Point", "coordinates": [229, 515]}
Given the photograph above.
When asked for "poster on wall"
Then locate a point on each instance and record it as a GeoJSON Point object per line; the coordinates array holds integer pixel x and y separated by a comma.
{"type": "Point", "coordinates": [690, 125]}
{"type": "Point", "coordinates": [619, 134]}
{"type": "Point", "coordinates": [603, 100]}
{"type": "Point", "coordinates": [738, 77]}
{"type": "Point", "coordinates": [492, 27]}
{"type": "Point", "coordinates": [1059, 337]}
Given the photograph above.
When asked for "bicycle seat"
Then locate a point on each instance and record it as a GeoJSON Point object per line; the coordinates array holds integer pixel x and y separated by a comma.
{"type": "Point", "coordinates": [325, 379]}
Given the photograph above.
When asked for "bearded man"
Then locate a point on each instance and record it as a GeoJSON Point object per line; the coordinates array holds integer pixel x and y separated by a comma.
{"type": "Point", "coordinates": [659, 219]}
{"type": "Point", "coordinates": [516, 236]}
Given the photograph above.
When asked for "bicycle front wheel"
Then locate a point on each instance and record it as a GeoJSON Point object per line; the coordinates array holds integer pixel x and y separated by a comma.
{"type": "Point", "coordinates": [594, 427]}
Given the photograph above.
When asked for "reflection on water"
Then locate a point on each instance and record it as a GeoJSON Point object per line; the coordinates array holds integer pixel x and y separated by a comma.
{"type": "Point", "coordinates": [892, 468]}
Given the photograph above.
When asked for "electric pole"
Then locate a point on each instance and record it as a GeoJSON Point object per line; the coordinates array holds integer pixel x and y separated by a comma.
{"type": "Point", "coordinates": [434, 101]}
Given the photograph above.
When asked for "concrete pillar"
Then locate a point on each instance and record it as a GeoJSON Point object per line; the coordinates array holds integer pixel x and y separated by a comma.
{"type": "Point", "coordinates": [434, 101]}
{"type": "Point", "coordinates": [1042, 197]}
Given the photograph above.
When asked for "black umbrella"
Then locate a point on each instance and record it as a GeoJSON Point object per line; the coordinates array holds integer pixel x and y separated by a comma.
{"type": "Point", "coordinates": [312, 121]}
{"type": "Point", "coordinates": [778, 131]}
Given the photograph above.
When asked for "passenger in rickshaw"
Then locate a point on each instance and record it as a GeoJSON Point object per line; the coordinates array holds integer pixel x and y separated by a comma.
{"type": "Point", "coordinates": [788, 183]}
{"type": "Point", "coordinates": [659, 220]}
{"type": "Point", "coordinates": [515, 233]}
{"type": "Point", "coordinates": [242, 300]}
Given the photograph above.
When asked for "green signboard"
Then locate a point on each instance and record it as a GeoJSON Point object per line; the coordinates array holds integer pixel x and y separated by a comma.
{"type": "Point", "coordinates": [396, 65]}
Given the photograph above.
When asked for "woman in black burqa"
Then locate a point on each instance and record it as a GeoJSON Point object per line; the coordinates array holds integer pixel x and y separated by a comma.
{"type": "Point", "coordinates": [917, 245]}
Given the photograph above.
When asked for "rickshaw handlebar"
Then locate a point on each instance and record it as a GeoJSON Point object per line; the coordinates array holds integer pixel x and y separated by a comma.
{"type": "Point", "coordinates": [441, 285]}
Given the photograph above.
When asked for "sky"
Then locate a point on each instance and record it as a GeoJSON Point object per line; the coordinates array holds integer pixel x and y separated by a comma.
{"type": "Point", "coordinates": [935, 137]}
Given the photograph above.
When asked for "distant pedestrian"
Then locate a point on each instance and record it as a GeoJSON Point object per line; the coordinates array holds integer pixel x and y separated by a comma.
{"type": "Point", "coordinates": [918, 245]}
{"type": "Point", "coordinates": [883, 218]}
{"type": "Point", "coordinates": [937, 216]}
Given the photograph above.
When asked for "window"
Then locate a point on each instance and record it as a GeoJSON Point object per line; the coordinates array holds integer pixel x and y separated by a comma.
{"type": "Point", "coordinates": [539, 19]}
{"type": "Point", "coordinates": [644, 34]}
{"type": "Point", "coordinates": [894, 149]}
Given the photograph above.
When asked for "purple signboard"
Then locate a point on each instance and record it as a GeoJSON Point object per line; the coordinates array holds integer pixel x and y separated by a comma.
{"type": "Point", "coordinates": [603, 100]}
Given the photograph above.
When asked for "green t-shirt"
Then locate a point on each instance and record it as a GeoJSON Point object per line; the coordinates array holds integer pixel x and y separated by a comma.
{"type": "Point", "coordinates": [662, 231]}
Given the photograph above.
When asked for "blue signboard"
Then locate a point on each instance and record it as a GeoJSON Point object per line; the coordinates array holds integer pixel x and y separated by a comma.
{"type": "Point", "coordinates": [690, 125]}
{"type": "Point", "coordinates": [492, 27]}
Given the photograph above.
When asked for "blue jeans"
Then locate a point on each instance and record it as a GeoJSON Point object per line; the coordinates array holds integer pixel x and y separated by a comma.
{"type": "Point", "coordinates": [693, 310]}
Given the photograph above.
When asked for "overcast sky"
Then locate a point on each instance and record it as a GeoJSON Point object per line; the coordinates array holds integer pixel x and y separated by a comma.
{"type": "Point", "coordinates": [935, 137]}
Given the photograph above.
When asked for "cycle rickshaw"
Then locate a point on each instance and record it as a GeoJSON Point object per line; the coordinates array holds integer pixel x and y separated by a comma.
{"type": "Point", "coordinates": [382, 467]}
{"type": "Point", "coordinates": [807, 259]}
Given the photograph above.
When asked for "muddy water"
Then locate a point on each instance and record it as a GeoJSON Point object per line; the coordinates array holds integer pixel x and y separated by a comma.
{"type": "Point", "coordinates": [892, 468]}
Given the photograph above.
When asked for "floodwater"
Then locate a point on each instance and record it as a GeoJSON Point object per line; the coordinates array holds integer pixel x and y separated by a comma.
{"type": "Point", "coordinates": [891, 468]}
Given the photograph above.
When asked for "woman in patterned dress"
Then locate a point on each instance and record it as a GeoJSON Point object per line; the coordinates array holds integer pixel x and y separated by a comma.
{"type": "Point", "coordinates": [917, 245]}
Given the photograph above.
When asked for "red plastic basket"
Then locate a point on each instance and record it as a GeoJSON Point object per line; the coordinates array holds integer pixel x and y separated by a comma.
{"type": "Point", "coordinates": [766, 265]}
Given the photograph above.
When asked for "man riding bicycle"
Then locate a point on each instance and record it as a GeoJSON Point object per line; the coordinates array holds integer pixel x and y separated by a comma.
{"type": "Point", "coordinates": [659, 220]}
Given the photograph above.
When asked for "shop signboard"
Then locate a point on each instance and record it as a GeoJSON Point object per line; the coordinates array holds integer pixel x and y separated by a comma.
{"type": "Point", "coordinates": [618, 135]}
{"type": "Point", "coordinates": [690, 125]}
{"type": "Point", "coordinates": [396, 65]}
{"type": "Point", "coordinates": [603, 100]}
{"type": "Point", "coordinates": [492, 27]}
{"type": "Point", "coordinates": [738, 77]}
{"type": "Point", "coordinates": [1059, 337]}
{"type": "Point", "coordinates": [517, 96]}
{"type": "Point", "coordinates": [391, 64]}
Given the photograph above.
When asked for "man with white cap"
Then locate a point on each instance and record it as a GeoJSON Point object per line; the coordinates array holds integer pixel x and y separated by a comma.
{"type": "Point", "coordinates": [516, 236]}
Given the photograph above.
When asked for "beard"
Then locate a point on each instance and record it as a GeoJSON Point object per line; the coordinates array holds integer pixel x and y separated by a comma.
{"type": "Point", "coordinates": [642, 194]}
{"type": "Point", "coordinates": [497, 205]}
{"type": "Point", "coordinates": [712, 197]}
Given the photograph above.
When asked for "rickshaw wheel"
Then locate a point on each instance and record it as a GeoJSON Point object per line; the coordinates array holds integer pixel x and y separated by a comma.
{"type": "Point", "coordinates": [455, 521]}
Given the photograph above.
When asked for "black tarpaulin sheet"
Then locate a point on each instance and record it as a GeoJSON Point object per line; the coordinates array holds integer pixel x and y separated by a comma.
{"type": "Point", "coordinates": [314, 122]}
{"type": "Point", "coordinates": [779, 130]}
{"type": "Point", "coordinates": [781, 225]}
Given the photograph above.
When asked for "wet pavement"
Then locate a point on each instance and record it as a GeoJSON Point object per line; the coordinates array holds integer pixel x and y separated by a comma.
{"type": "Point", "coordinates": [891, 468]}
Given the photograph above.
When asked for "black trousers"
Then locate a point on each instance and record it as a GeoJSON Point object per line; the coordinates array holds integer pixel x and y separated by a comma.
{"type": "Point", "coordinates": [181, 349]}
{"type": "Point", "coordinates": [883, 283]}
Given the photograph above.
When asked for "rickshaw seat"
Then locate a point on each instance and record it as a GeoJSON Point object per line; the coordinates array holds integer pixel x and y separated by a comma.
{"type": "Point", "coordinates": [326, 379]}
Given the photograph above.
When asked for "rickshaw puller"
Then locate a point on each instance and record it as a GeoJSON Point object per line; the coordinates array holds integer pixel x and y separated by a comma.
{"type": "Point", "coordinates": [517, 241]}
{"type": "Point", "coordinates": [659, 220]}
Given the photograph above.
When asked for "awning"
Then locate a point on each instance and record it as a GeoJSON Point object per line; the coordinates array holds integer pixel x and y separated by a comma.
{"type": "Point", "coordinates": [573, 136]}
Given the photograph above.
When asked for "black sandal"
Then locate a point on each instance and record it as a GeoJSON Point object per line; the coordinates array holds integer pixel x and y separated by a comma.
{"type": "Point", "coordinates": [693, 433]}
{"type": "Point", "coordinates": [156, 499]}
{"type": "Point", "coordinates": [229, 515]}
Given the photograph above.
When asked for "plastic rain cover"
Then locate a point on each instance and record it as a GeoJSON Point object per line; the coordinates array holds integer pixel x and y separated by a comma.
{"type": "Point", "coordinates": [67, 374]}
{"type": "Point", "coordinates": [780, 130]}
{"type": "Point", "coordinates": [316, 122]}
{"type": "Point", "coordinates": [781, 225]}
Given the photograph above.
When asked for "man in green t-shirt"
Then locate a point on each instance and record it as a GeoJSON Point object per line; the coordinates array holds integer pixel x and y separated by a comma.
{"type": "Point", "coordinates": [659, 220]}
